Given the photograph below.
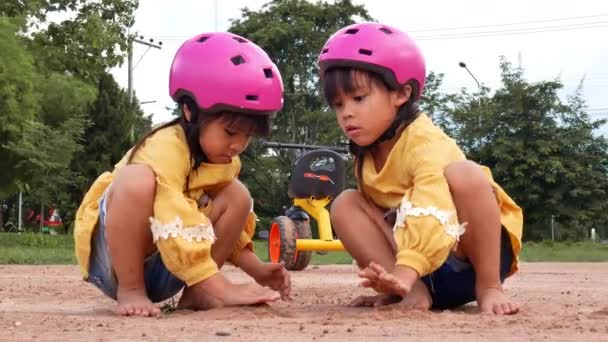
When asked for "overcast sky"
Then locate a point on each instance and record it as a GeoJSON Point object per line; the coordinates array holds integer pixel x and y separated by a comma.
{"type": "Point", "coordinates": [565, 39]}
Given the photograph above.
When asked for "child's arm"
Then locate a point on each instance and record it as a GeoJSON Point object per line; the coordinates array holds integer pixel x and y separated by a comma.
{"type": "Point", "coordinates": [427, 226]}
{"type": "Point", "coordinates": [274, 276]}
{"type": "Point", "coordinates": [182, 234]}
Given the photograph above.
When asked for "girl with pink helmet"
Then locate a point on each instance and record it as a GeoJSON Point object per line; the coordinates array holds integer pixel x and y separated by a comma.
{"type": "Point", "coordinates": [428, 228]}
{"type": "Point", "coordinates": [172, 211]}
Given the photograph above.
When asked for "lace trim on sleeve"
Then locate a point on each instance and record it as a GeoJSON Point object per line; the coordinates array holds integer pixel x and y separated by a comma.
{"type": "Point", "coordinates": [177, 229]}
{"type": "Point", "coordinates": [443, 216]}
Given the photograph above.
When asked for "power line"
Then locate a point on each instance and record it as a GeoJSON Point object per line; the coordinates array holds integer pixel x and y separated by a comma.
{"type": "Point", "coordinates": [481, 34]}
{"type": "Point", "coordinates": [478, 34]}
{"type": "Point", "coordinates": [512, 24]}
{"type": "Point", "coordinates": [586, 77]}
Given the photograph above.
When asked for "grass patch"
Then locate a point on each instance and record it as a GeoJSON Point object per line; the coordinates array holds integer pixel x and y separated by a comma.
{"type": "Point", "coordinates": [36, 249]}
{"type": "Point", "coordinates": [39, 249]}
{"type": "Point", "coordinates": [549, 251]}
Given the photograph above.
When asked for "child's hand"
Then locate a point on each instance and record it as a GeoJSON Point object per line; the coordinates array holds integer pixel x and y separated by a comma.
{"type": "Point", "coordinates": [276, 277]}
{"type": "Point", "coordinates": [399, 282]}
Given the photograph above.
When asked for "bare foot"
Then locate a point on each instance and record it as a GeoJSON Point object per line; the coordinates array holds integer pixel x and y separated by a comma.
{"type": "Point", "coordinates": [217, 292]}
{"type": "Point", "coordinates": [418, 298]}
{"type": "Point", "coordinates": [135, 302]}
{"type": "Point", "coordinates": [493, 301]}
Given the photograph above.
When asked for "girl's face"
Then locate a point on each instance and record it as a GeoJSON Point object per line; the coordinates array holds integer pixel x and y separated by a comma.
{"type": "Point", "coordinates": [368, 110]}
{"type": "Point", "coordinates": [221, 140]}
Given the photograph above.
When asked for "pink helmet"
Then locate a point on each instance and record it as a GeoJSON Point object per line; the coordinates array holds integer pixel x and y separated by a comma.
{"type": "Point", "coordinates": [378, 48]}
{"type": "Point", "coordinates": [223, 71]}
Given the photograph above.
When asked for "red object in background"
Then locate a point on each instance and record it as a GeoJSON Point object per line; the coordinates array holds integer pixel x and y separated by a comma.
{"type": "Point", "coordinates": [322, 178]}
{"type": "Point", "coordinates": [52, 218]}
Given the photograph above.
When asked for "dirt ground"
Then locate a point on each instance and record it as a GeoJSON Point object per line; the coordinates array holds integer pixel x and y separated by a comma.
{"type": "Point", "coordinates": [561, 302]}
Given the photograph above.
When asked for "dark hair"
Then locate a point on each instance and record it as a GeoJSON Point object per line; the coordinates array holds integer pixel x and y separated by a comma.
{"type": "Point", "coordinates": [346, 80]}
{"type": "Point", "coordinates": [257, 125]}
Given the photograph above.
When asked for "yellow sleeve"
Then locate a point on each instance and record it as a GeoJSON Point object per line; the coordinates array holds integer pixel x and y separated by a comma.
{"type": "Point", "coordinates": [427, 226]}
{"type": "Point", "coordinates": [181, 232]}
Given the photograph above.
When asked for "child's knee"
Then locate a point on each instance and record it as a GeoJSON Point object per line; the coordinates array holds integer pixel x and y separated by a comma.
{"type": "Point", "coordinates": [465, 176]}
{"type": "Point", "coordinates": [344, 203]}
{"type": "Point", "coordinates": [138, 182]}
{"type": "Point", "coordinates": [237, 194]}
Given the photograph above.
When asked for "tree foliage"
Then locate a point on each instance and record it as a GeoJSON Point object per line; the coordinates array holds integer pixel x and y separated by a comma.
{"type": "Point", "coordinates": [63, 117]}
{"type": "Point", "coordinates": [292, 32]}
{"type": "Point", "coordinates": [545, 152]}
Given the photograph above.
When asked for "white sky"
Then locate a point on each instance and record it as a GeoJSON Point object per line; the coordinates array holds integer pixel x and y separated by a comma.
{"type": "Point", "coordinates": [566, 39]}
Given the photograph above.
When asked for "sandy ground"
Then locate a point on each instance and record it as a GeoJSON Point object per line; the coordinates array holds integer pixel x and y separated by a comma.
{"type": "Point", "coordinates": [561, 302]}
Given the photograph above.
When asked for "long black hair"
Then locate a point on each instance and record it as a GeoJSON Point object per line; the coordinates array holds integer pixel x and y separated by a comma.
{"type": "Point", "coordinates": [257, 125]}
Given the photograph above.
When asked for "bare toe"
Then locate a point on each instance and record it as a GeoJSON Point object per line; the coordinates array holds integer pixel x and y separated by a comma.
{"type": "Point", "coordinates": [494, 301]}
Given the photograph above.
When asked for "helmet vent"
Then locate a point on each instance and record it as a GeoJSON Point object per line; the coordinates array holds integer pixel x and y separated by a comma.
{"type": "Point", "coordinates": [202, 39]}
{"type": "Point", "coordinates": [268, 72]}
{"type": "Point", "coordinates": [325, 51]}
{"type": "Point", "coordinates": [251, 97]}
{"type": "Point", "coordinates": [352, 31]}
{"type": "Point", "coordinates": [366, 52]}
{"type": "Point", "coordinates": [236, 60]}
{"type": "Point", "coordinates": [240, 40]}
{"type": "Point", "coordinates": [385, 30]}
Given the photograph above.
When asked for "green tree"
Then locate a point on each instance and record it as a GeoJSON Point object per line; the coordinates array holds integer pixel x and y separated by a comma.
{"type": "Point", "coordinates": [292, 32]}
{"type": "Point", "coordinates": [41, 130]}
{"type": "Point", "coordinates": [48, 76]}
{"type": "Point", "coordinates": [110, 134]}
{"type": "Point", "coordinates": [42, 120]}
{"type": "Point", "coordinates": [544, 152]}
{"type": "Point", "coordinates": [18, 100]}
{"type": "Point", "coordinates": [115, 124]}
{"type": "Point", "coordinates": [65, 60]}
{"type": "Point", "coordinates": [91, 39]}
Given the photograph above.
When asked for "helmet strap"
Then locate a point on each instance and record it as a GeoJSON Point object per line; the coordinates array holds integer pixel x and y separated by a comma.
{"type": "Point", "coordinates": [400, 119]}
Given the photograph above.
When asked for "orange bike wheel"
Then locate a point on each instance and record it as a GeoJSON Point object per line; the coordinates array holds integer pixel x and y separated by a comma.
{"type": "Point", "coordinates": [274, 243]}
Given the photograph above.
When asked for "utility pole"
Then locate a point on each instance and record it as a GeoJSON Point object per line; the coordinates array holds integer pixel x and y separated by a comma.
{"type": "Point", "coordinates": [150, 44]}
{"type": "Point", "coordinates": [552, 229]}
{"type": "Point", "coordinates": [20, 220]}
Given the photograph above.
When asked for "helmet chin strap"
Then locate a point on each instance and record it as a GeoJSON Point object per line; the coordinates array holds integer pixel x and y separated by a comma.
{"type": "Point", "coordinates": [400, 119]}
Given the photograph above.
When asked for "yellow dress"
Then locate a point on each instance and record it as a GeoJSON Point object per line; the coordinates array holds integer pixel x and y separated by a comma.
{"type": "Point", "coordinates": [412, 180]}
{"type": "Point", "coordinates": [182, 232]}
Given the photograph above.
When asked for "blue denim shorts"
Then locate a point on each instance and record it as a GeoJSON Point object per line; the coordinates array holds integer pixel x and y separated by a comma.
{"type": "Point", "coordinates": [160, 283]}
{"type": "Point", "coordinates": [453, 284]}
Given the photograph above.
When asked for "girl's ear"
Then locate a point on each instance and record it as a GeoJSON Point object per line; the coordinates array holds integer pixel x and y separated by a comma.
{"type": "Point", "coordinates": [402, 95]}
{"type": "Point", "coordinates": [187, 112]}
